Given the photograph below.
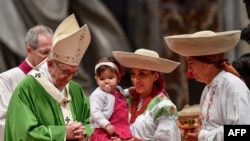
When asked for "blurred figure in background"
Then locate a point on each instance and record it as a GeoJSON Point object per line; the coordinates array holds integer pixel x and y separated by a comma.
{"type": "Point", "coordinates": [242, 64]}
{"type": "Point", "coordinates": [38, 42]}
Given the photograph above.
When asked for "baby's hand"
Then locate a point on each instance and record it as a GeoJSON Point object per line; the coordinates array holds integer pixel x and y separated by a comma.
{"type": "Point", "coordinates": [110, 129]}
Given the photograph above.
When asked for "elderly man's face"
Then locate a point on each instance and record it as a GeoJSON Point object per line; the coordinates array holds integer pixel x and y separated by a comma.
{"type": "Point", "coordinates": [61, 73]}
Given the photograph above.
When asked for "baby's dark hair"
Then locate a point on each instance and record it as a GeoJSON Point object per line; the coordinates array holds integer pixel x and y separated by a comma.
{"type": "Point", "coordinates": [102, 68]}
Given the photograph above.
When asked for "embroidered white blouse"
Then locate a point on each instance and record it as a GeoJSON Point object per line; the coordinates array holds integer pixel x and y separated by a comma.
{"type": "Point", "coordinates": [158, 122]}
{"type": "Point", "coordinates": [225, 101]}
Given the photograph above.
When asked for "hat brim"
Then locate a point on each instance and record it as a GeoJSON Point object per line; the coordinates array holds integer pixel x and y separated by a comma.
{"type": "Point", "coordinates": [187, 45]}
{"type": "Point", "coordinates": [131, 60]}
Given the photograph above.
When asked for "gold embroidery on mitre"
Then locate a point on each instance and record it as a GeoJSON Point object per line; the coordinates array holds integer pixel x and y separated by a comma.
{"type": "Point", "coordinates": [78, 56]}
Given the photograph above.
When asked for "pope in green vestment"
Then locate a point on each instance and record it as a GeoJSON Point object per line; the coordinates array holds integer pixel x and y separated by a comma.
{"type": "Point", "coordinates": [47, 105]}
{"type": "Point", "coordinates": [33, 115]}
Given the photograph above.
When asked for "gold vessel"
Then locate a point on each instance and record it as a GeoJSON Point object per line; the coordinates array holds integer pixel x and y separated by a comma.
{"type": "Point", "coordinates": [188, 117]}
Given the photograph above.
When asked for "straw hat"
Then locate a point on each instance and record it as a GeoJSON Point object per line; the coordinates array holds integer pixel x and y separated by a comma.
{"type": "Point", "coordinates": [145, 59]}
{"type": "Point", "coordinates": [70, 42]}
{"type": "Point", "coordinates": [203, 43]}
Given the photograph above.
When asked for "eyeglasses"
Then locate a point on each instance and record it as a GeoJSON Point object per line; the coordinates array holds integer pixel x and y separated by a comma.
{"type": "Point", "coordinates": [65, 72]}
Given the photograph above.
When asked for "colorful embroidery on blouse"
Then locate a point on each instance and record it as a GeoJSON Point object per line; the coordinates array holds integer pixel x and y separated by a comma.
{"type": "Point", "coordinates": [167, 109]}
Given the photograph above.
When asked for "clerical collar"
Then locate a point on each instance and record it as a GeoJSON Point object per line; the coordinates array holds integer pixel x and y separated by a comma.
{"type": "Point", "coordinates": [25, 66]}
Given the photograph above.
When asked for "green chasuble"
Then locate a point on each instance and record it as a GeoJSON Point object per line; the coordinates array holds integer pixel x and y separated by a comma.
{"type": "Point", "coordinates": [33, 115]}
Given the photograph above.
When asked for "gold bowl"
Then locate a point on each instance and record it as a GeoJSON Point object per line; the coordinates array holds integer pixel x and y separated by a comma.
{"type": "Point", "coordinates": [188, 117]}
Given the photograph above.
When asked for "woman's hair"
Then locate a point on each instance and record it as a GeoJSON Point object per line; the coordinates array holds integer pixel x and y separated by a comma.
{"type": "Point", "coordinates": [102, 68]}
{"type": "Point", "coordinates": [160, 84]}
{"type": "Point", "coordinates": [219, 61]}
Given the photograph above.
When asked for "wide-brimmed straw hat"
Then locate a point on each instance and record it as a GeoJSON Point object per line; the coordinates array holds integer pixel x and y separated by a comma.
{"type": "Point", "coordinates": [145, 59]}
{"type": "Point", "coordinates": [70, 42]}
{"type": "Point", "coordinates": [203, 43]}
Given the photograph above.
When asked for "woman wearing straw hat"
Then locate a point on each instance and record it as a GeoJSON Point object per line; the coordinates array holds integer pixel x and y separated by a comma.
{"type": "Point", "coordinates": [225, 100]}
{"type": "Point", "coordinates": [153, 114]}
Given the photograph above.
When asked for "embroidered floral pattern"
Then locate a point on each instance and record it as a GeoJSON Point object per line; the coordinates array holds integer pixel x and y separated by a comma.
{"type": "Point", "coordinates": [207, 102]}
{"type": "Point", "coordinates": [167, 108]}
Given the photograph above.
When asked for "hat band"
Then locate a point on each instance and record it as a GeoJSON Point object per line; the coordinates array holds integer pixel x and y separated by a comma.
{"type": "Point", "coordinates": [110, 64]}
